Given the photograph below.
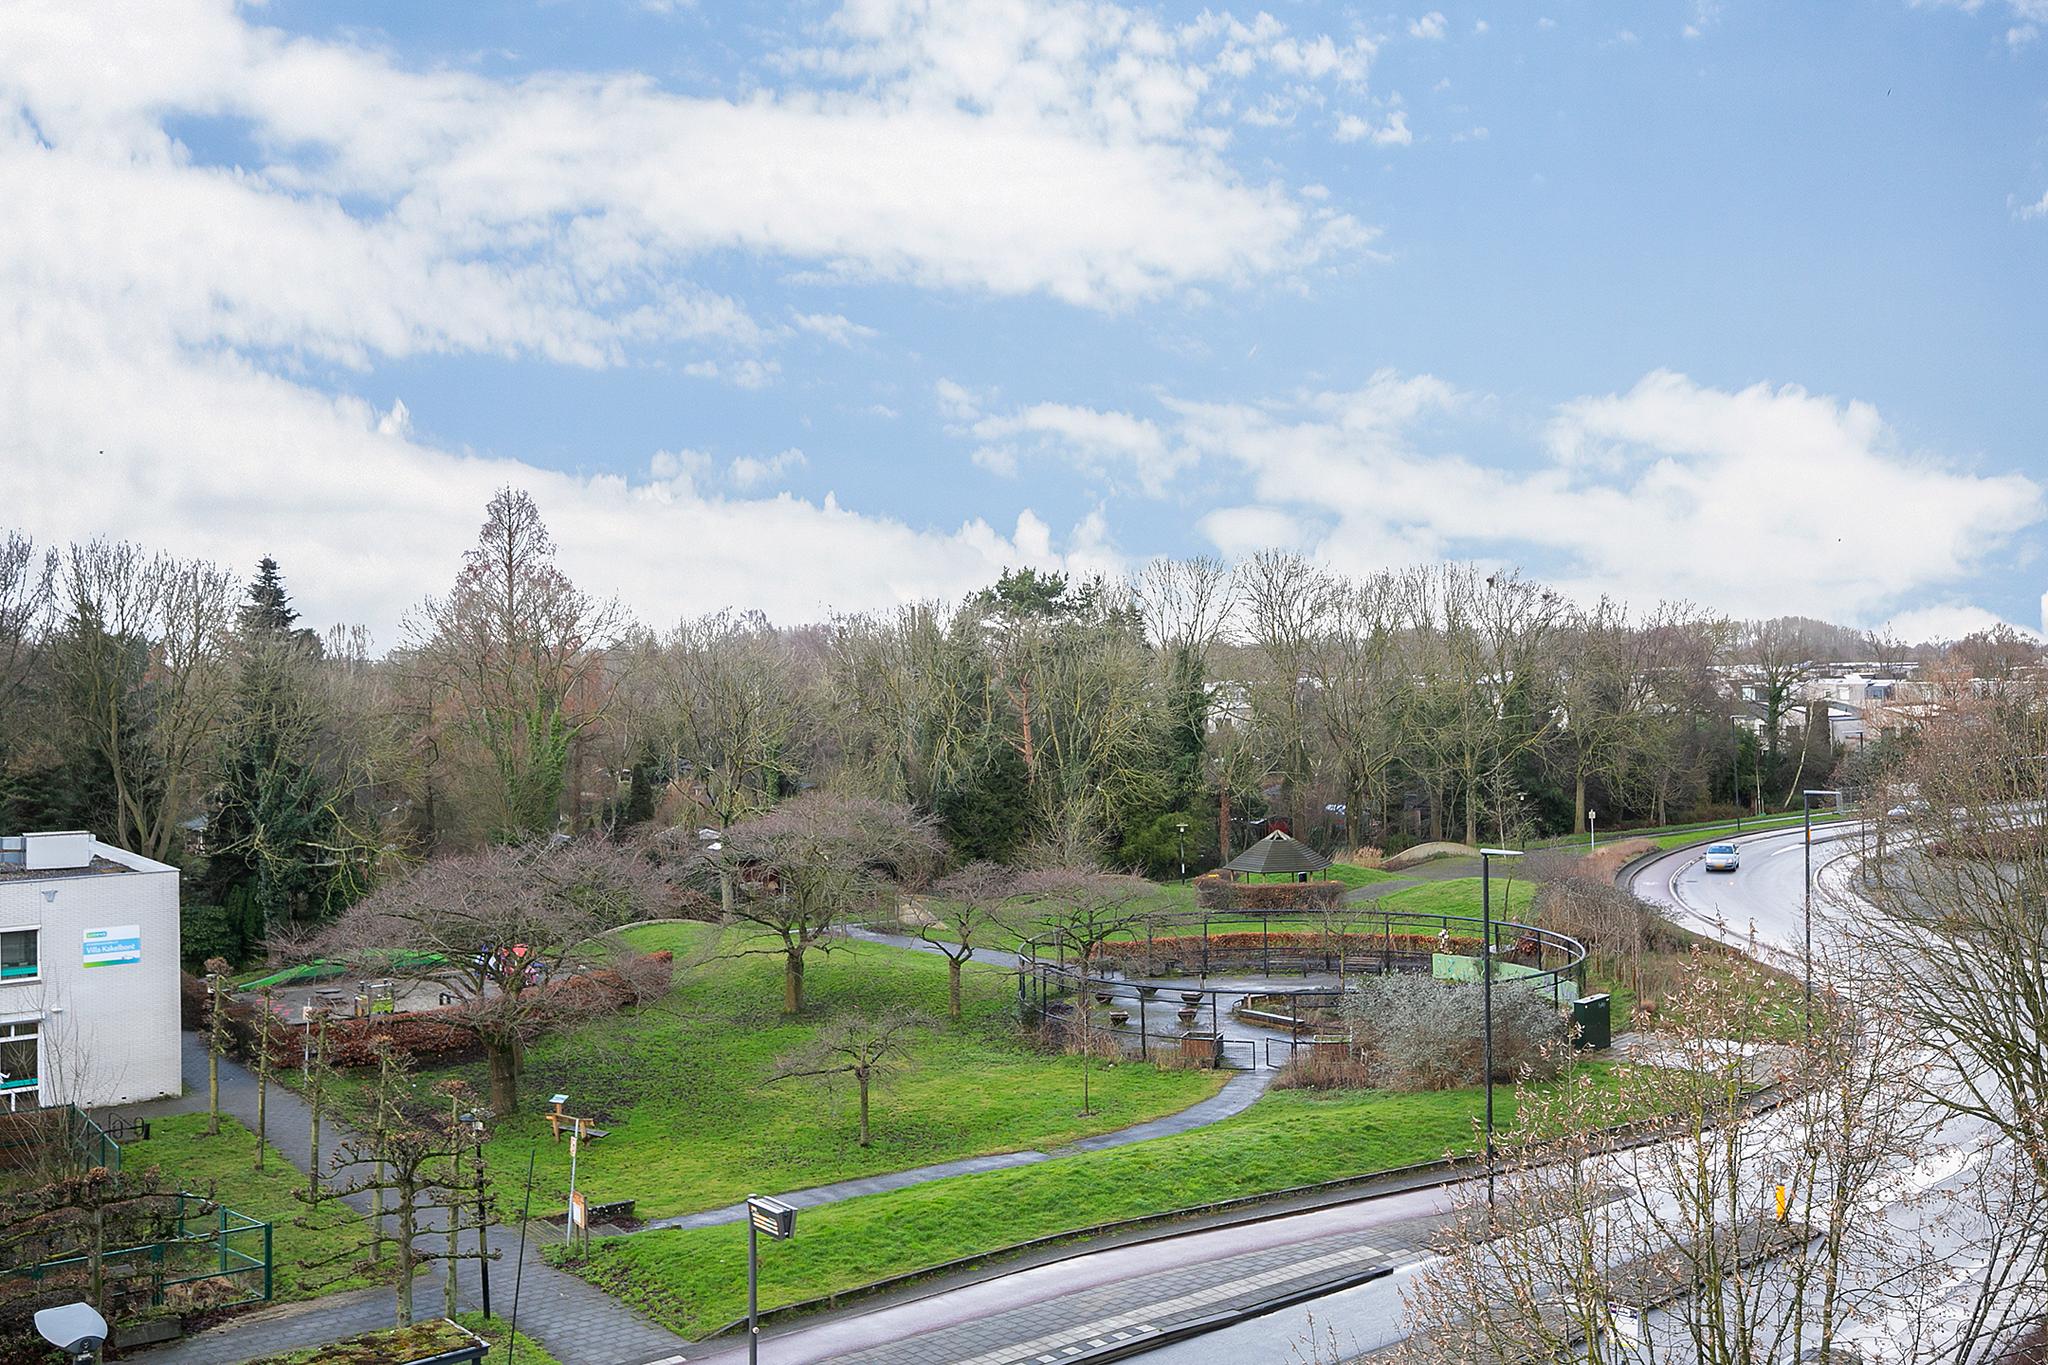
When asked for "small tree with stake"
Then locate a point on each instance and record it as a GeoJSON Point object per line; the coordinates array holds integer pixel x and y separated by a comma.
{"type": "Point", "coordinates": [216, 1037]}
{"type": "Point", "coordinates": [427, 1166]}
{"type": "Point", "coordinates": [967, 905]}
{"type": "Point", "coordinates": [869, 1050]}
{"type": "Point", "coordinates": [1085, 909]}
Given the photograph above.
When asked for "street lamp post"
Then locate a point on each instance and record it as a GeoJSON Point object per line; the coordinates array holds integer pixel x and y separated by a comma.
{"type": "Point", "coordinates": [1182, 830]}
{"type": "Point", "coordinates": [1486, 857]}
{"type": "Point", "coordinates": [474, 1122]}
{"type": "Point", "coordinates": [1806, 820]}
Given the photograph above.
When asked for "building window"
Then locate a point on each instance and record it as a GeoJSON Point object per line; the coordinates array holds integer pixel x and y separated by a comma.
{"type": "Point", "coordinates": [18, 961]}
{"type": "Point", "coordinates": [20, 1060]}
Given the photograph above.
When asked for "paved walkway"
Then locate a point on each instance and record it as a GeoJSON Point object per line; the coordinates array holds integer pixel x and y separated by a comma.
{"type": "Point", "coordinates": [577, 1322]}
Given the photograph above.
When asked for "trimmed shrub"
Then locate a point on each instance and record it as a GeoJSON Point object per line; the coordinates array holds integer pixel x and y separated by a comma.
{"type": "Point", "coordinates": [1216, 892]}
{"type": "Point", "coordinates": [1419, 1034]}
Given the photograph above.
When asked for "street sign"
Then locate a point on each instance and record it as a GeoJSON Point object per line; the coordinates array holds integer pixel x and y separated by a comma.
{"type": "Point", "coordinates": [579, 1210]}
{"type": "Point", "coordinates": [1628, 1322]}
{"type": "Point", "coordinates": [772, 1216]}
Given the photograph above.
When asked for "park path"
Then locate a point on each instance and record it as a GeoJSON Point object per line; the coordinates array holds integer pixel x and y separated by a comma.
{"type": "Point", "coordinates": [578, 1323]}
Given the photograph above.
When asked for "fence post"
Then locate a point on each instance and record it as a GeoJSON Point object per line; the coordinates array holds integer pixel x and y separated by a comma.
{"type": "Point", "coordinates": [267, 1263]}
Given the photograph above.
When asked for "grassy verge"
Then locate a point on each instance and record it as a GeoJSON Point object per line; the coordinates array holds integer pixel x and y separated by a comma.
{"type": "Point", "coordinates": [695, 1280]}
{"type": "Point", "coordinates": [225, 1166]}
{"type": "Point", "coordinates": [696, 1122]}
{"type": "Point", "coordinates": [412, 1343]}
{"type": "Point", "coordinates": [1460, 896]}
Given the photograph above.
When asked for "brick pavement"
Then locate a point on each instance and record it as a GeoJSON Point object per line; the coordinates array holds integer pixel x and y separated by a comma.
{"type": "Point", "coordinates": [578, 1323]}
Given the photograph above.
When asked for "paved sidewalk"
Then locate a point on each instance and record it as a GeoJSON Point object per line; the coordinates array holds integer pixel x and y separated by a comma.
{"type": "Point", "coordinates": [577, 1322]}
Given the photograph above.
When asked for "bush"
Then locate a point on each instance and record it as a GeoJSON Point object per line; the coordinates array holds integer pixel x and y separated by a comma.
{"type": "Point", "coordinates": [1415, 1033]}
{"type": "Point", "coordinates": [1213, 891]}
{"type": "Point", "coordinates": [1319, 1070]}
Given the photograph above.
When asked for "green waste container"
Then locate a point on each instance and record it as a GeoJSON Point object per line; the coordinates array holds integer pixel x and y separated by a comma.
{"type": "Point", "coordinates": [1591, 1026]}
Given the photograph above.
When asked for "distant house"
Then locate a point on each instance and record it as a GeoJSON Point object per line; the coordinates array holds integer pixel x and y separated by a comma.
{"type": "Point", "coordinates": [88, 973]}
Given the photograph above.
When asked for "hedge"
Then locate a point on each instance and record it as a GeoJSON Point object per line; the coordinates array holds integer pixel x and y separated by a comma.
{"type": "Point", "coordinates": [429, 1035]}
{"type": "Point", "coordinates": [1215, 892]}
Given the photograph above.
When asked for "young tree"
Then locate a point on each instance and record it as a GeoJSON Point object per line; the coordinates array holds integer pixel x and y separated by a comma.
{"type": "Point", "coordinates": [868, 1050]}
{"type": "Point", "coordinates": [810, 864]}
{"type": "Point", "coordinates": [499, 927]}
{"type": "Point", "coordinates": [423, 1161]}
{"type": "Point", "coordinates": [517, 650]}
{"type": "Point", "coordinates": [217, 1000]}
{"type": "Point", "coordinates": [1082, 909]}
{"type": "Point", "coordinates": [964, 906]}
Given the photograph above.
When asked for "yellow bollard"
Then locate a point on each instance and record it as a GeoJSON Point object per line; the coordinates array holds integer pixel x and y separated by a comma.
{"type": "Point", "coordinates": [1781, 1203]}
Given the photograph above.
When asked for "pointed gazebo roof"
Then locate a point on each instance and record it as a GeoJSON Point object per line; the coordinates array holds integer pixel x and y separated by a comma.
{"type": "Point", "coordinates": [1276, 853]}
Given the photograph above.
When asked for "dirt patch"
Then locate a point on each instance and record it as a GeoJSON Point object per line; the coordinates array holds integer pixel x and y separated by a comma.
{"type": "Point", "coordinates": [1604, 862]}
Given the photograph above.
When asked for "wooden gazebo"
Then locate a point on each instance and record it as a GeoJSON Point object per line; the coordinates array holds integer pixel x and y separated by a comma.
{"type": "Point", "coordinates": [1278, 854]}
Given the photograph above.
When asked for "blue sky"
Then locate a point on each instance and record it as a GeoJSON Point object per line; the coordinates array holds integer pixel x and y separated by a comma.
{"type": "Point", "coordinates": [830, 305]}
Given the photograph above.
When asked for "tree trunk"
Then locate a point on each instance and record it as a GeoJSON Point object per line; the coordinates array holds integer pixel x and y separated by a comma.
{"type": "Point", "coordinates": [406, 1232]}
{"type": "Point", "coordinates": [1579, 801]}
{"type": "Point", "coordinates": [953, 989]}
{"type": "Point", "coordinates": [1223, 824]}
{"type": "Point", "coordinates": [862, 1078]}
{"type": "Point", "coordinates": [504, 1063]}
{"type": "Point", "coordinates": [793, 981]}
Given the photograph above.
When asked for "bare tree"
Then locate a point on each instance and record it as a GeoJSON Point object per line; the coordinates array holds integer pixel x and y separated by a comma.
{"type": "Point", "coordinates": [1083, 909]}
{"type": "Point", "coordinates": [142, 665]}
{"type": "Point", "coordinates": [516, 649]}
{"type": "Point", "coordinates": [866, 1050]}
{"type": "Point", "coordinates": [811, 863]}
{"type": "Point", "coordinates": [964, 906]}
{"type": "Point", "coordinates": [501, 928]}
{"type": "Point", "coordinates": [1586, 1224]}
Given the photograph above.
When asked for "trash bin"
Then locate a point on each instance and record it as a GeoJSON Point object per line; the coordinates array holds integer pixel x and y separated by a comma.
{"type": "Point", "coordinates": [1591, 1024]}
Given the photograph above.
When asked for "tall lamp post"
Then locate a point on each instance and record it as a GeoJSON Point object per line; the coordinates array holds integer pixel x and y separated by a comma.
{"type": "Point", "coordinates": [1182, 830]}
{"type": "Point", "coordinates": [1486, 857]}
{"type": "Point", "coordinates": [1806, 820]}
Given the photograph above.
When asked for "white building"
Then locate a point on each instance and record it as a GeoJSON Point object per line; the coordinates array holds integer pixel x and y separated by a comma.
{"type": "Point", "coordinates": [88, 973]}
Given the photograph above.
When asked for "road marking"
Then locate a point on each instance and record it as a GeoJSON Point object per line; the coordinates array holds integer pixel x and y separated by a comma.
{"type": "Point", "coordinates": [1142, 1322]}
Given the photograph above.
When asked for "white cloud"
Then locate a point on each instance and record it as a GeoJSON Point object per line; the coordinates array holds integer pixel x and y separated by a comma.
{"type": "Point", "coordinates": [2038, 209]}
{"type": "Point", "coordinates": [1393, 133]}
{"type": "Point", "coordinates": [214, 458]}
{"type": "Point", "coordinates": [1758, 501]}
{"type": "Point", "coordinates": [1947, 621]}
{"type": "Point", "coordinates": [1105, 444]}
{"type": "Point", "coordinates": [750, 471]}
{"type": "Point", "coordinates": [2019, 35]}
{"type": "Point", "coordinates": [999, 147]}
{"type": "Point", "coordinates": [1431, 27]}
{"type": "Point", "coordinates": [1481, 27]}
{"type": "Point", "coordinates": [832, 327]}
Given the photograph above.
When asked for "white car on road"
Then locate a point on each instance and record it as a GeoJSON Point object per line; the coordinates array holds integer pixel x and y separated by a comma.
{"type": "Point", "coordinates": [1723, 857]}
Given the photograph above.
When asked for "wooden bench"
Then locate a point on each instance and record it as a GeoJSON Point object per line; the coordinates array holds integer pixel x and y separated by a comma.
{"type": "Point", "coordinates": [583, 1128]}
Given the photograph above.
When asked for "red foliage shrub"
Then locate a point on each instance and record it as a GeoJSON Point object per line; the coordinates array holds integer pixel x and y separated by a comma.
{"type": "Point", "coordinates": [441, 1035]}
{"type": "Point", "coordinates": [1215, 892]}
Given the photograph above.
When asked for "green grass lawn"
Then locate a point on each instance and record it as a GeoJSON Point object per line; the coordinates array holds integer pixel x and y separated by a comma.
{"type": "Point", "coordinates": [224, 1165]}
{"type": "Point", "coordinates": [695, 1280]}
{"type": "Point", "coordinates": [1460, 896]}
{"type": "Point", "coordinates": [694, 1123]}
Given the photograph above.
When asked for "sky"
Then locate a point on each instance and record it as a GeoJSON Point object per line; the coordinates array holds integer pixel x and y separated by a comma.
{"type": "Point", "coordinates": [815, 307]}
